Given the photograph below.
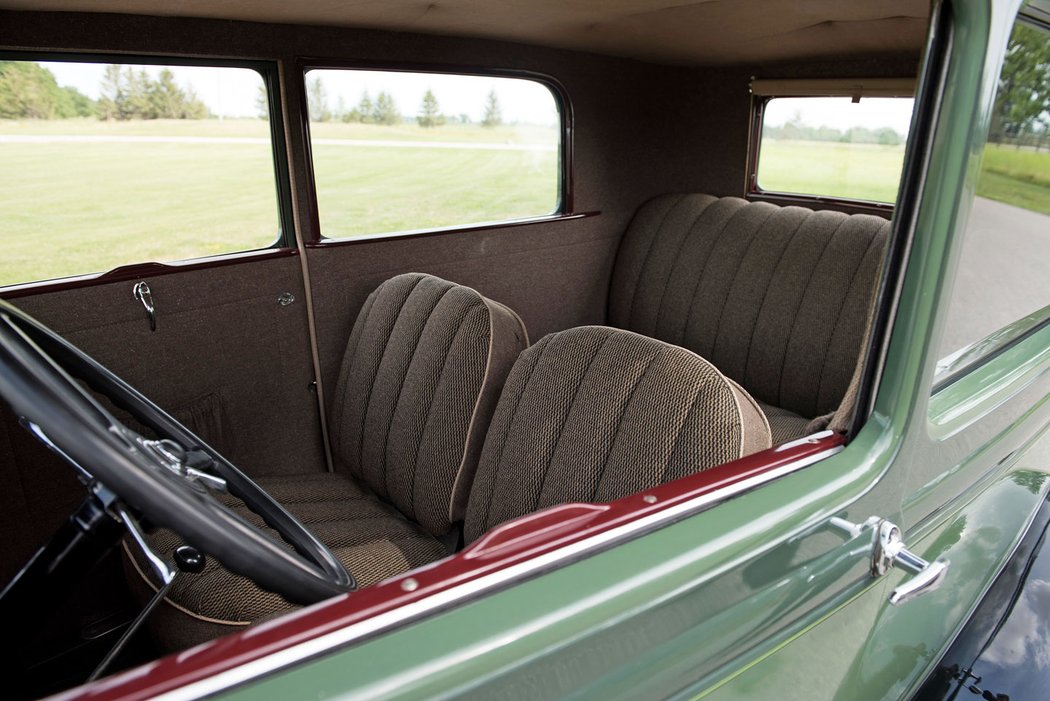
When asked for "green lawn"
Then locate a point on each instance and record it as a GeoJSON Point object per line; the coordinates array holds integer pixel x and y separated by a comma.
{"type": "Point", "coordinates": [80, 207]}
{"type": "Point", "coordinates": [74, 208]}
{"type": "Point", "coordinates": [1016, 176]}
{"type": "Point", "coordinates": [857, 171]}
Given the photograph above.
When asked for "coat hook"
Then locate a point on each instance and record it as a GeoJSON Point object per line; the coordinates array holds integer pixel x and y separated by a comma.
{"type": "Point", "coordinates": [142, 293]}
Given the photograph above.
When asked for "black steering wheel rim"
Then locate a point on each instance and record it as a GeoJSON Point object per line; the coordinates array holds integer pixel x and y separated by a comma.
{"type": "Point", "coordinates": [37, 371]}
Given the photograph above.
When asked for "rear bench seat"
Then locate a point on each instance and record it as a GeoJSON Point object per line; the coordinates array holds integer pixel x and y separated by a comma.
{"type": "Point", "coordinates": [775, 297]}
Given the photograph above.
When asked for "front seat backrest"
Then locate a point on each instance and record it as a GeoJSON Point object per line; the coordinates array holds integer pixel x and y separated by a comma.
{"type": "Point", "coordinates": [595, 413]}
{"type": "Point", "coordinates": [776, 297]}
{"type": "Point", "coordinates": [421, 375]}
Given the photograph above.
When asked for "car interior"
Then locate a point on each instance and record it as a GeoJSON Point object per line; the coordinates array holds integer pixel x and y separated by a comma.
{"type": "Point", "coordinates": [402, 395]}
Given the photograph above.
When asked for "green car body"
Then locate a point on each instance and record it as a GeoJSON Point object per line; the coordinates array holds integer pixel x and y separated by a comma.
{"type": "Point", "coordinates": [758, 597]}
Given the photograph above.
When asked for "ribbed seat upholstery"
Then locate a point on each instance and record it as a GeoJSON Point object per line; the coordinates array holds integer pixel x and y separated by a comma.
{"type": "Point", "coordinates": [776, 298]}
{"type": "Point", "coordinates": [420, 378]}
{"type": "Point", "coordinates": [596, 413]}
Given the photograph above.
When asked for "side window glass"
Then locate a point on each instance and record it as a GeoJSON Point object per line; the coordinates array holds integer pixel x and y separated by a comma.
{"type": "Point", "coordinates": [836, 147]}
{"type": "Point", "coordinates": [113, 164]}
{"type": "Point", "coordinates": [398, 151]}
{"type": "Point", "coordinates": [1002, 286]}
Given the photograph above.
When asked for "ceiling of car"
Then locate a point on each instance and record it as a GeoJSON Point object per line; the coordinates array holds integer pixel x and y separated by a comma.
{"type": "Point", "coordinates": [697, 32]}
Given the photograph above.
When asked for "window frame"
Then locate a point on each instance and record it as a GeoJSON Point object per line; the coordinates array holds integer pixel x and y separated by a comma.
{"type": "Point", "coordinates": [972, 357]}
{"type": "Point", "coordinates": [755, 193]}
{"type": "Point", "coordinates": [284, 243]}
{"type": "Point", "coordinates": [564, 207]}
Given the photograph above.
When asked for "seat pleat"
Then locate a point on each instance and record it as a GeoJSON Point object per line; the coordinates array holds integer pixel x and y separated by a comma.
{"type": "Point", "coordinates": [735, 291]}
{"type": "Point", "coordinates": [533, 436]}
{"type": "Point", "coordinates": [434, 462]}
{"type": "Point", "coordinates": [418, 389]}
{"type": "Point", "coordinates": [806, 354]}
{"type": "Point", "coordinates": [635, 248]}
{"type": "Point", "coordinates": [702, 314]}
{"type": "Point", "coordinates": [598, 413]}
{"type": "Point", "coordinates": [390, 378]}
{"type": "Point", "coordinates": [750, 287]}
{"type": "Point", "coordinates": [577, 464]}
{"type": "Point", "coordinates": [366, 349]}
{"type": "Point", "coordinates": [667, 243]}
{"type": "Point", "coordinates": [777, 318]}
{"type": "Point", "coordinates": [844, 349]}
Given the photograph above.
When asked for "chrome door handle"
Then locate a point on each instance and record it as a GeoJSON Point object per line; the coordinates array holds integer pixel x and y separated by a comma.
{"type": "Point", "coordinates": [888, 549]}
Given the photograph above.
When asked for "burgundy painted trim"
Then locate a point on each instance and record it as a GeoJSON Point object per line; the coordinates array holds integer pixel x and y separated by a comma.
{"type": "Point", "coordinates": [561, 96]}
{"type": "Point", "coordinates": [425, 233]}
{"type": "Point", "coordinates": [506, 545]}
{"type": "Point", "coordinates": [140, 270]}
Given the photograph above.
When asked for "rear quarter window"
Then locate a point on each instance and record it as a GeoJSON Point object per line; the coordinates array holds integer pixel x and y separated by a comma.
{"type": "Point", "coordinates": [832, 147]}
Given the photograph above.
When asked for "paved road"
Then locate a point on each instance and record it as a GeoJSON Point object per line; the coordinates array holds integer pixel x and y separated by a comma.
{"type": "Point", "coordinates": [1004, 274]}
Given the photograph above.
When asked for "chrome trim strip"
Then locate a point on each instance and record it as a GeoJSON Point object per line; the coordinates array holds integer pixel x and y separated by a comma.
{"type": "Point", "coordinates": [308, 649]}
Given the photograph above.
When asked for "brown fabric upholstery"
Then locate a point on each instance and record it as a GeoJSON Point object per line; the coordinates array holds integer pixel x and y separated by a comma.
{"type": "Point", "coordinates": [775, 297]}
{"type": "Point", "coordinates": [784, 425]}
{"type": "Point", "coordinates": [595, 413]}
{"type": "Point", "coordinates": [423, 369]}
{"type": "Point", "coordinates": [371, 538]}
{"type": "Point", "coordinates": [422, 372]}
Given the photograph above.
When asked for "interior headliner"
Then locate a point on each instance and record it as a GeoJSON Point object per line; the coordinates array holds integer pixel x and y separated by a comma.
{"type": "Point", "coordinates": [688, 32]}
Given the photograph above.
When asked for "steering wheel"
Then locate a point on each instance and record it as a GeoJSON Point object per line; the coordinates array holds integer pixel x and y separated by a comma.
{"type": "Point", "coordinates": [37, 371]}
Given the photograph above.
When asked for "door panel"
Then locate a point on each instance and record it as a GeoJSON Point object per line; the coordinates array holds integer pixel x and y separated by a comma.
{"type": "Point", "coordinates": [227, 358]}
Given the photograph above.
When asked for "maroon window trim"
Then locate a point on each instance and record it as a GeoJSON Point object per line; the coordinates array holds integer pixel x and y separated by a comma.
{"type": "Point", "coordinates": [507, 545]}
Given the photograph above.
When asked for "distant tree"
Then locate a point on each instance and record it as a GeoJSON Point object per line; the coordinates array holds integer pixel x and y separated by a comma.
{"type": "Point", "coordinates": [385, 111]}
{"type": "Point", "coordinates": [887, 136]}
{"type": "Point", "coordinates": [131, 94]}
{"type": "Point", "coordinates": [429, 112]}
{"type": "Point", "coordinates": [262, 103]}
{"type": "Point", "coordinates": [138, 103]}
{"type": "Point", "coordinates": [1023, 98]}
{"type": "Point", "coordinates": [464, 118]}
{"type": "Point", "coordinates": [193, 107]}
{"type": "Point", "coordinates": [493, 114]}
{"type": "Point", "coordinates": [30, 91]}
{"type": "Point", "coordinates": [363, 113]}
{"type": "Point", "coordinates": [166, 99]}
{"type": "Point", "coordinates": [317, 100]}
{"type": "Point", "coordinates": [111, 94]}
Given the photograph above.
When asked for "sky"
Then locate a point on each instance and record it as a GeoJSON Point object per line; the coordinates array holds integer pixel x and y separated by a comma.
{"type": "Point", "coordinates": [842, 113]}
{"type": "Point", "coordinates": [232, 92]}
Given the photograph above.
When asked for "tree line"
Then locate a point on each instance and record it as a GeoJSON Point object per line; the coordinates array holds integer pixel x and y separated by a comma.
{"type": "Point", "coordinates": [384, 110]}
{"type": "Point", "coordinates": [1022, 103]}
{"type": "Point", "coordinates": [796, 130]}
{"type": "Point", "coordinates": [30, 91]}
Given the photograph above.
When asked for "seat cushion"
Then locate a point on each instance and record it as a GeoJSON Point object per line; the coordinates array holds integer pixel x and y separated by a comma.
{"type": "Point", "coordinates": [595, 413]}
{"type": "Point", "coordinates": [373, 540]}
{"type": "Point", "coordinates": [776, 297]}
{"type": "Point", "coordinates": [784, 425]}
{"type": "Point", "coordinates": [423, 369]}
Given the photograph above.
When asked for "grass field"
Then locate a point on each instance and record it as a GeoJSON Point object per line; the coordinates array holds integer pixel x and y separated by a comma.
{"type": "Point", "coordinates": [77, 207]}
{"type": "Point", "coordinates": [1016, 176]}
{"type": "Point", "coordinates": [857, 171]}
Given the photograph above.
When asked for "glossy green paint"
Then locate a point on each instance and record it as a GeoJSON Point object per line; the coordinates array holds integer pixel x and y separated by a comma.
{"type": "Point", "coordinates": [758, 597]}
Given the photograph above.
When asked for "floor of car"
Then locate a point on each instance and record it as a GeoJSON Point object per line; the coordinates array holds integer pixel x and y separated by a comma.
{"type": "Point", "coordinates": [74, 636]}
